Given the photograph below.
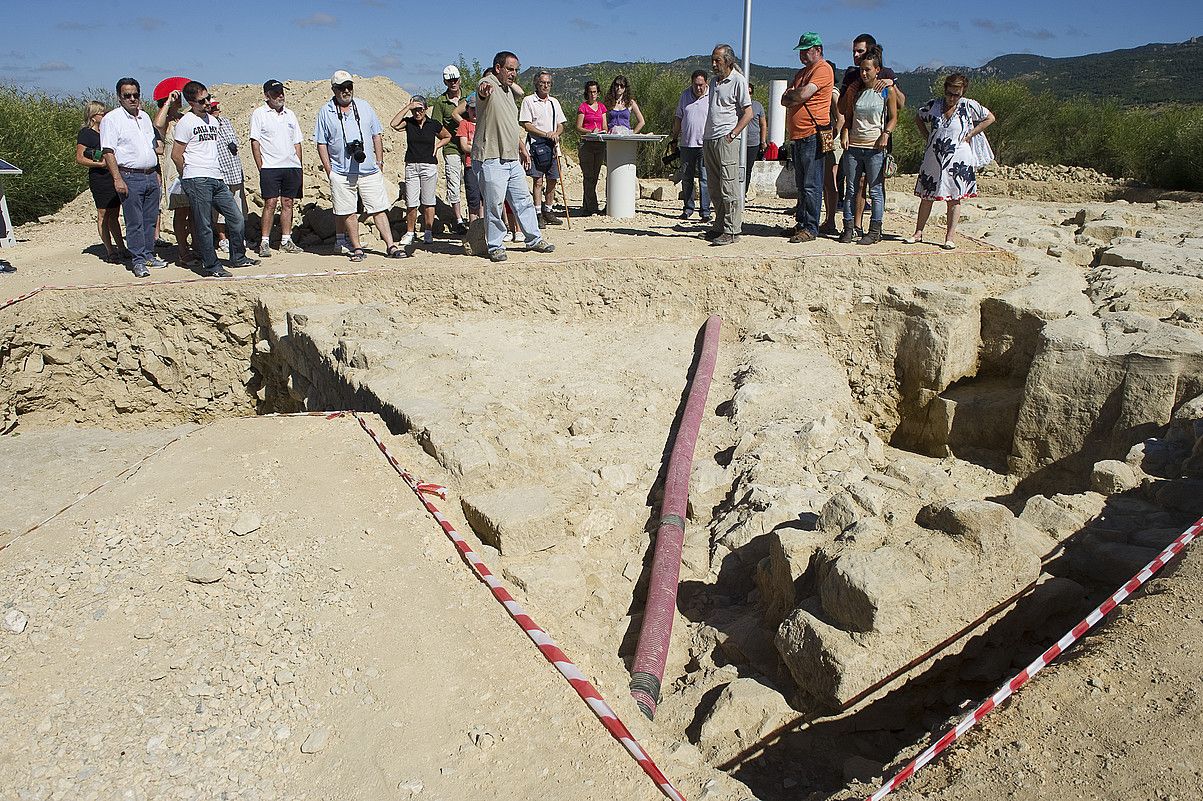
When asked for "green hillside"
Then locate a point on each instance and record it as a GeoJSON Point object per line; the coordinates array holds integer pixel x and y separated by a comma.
{"type": "Point", "coordinates": [1152, 74]}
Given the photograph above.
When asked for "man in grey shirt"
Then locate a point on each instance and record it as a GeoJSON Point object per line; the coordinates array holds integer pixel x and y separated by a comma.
{"type": "Point", "coordinates": [758, 138]}
{"type": "Point", "coordinates": [730, 112]}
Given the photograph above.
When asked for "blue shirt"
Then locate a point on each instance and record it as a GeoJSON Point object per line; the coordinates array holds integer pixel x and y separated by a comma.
{"type": "Point", "coordinates": [328, 131]}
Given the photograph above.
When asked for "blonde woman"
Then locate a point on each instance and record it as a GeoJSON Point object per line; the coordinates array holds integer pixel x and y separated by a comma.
{"type": "Point", "coordinates": [100, 181]}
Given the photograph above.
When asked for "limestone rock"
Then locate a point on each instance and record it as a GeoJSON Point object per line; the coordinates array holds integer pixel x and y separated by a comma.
{"type": "Point", "coordinates": [782, 576]}
{"type": "Point", "coordinates": [246, 523]}
{"type": "Point", "coordinates": [514, 520]}
{"type": "Point", "coordinates": [745, 712]}
{"type": "Point", "coordinates": [203, 571]}
{"type": "Point", "coordinates": [317, 740]}
{"type": "Point", "coordinates": [1112, 476]}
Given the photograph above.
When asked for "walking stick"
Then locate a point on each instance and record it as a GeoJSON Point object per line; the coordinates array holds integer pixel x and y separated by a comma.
{"type": "Point", "coordinates": [563, 188]}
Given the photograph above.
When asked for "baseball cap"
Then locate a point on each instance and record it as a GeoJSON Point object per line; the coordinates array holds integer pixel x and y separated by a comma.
{"type": "Point", "coordinates": [450, 71]}
{"type": "Point", "coordinates": [340, 77]}
{"type": "Point", "coordinates": [470, 101]}
{"type": "Point", "coordinates": [272, 86]}
{"type": "Point", "coordinates": [808, 40]}
{"type": "Point", "coordinates": [167, 86]}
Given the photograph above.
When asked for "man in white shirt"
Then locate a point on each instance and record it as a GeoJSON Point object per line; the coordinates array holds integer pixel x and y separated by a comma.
{"type": "Point", "coordinates": [127, 139]}
{"type": "Point", "coordinates": [197, 138]}
{"type": "Point", "coordinates": [543, 120]}
{"type": "Point", "coordinates": [276, 146]}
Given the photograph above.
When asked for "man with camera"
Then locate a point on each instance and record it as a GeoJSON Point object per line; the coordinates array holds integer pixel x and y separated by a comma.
{"type": "Point", "coordinates": [500, 151]}
{"type": "Point", "coordinates": [350, 144]}
{"type": "Point", "coordinates": [543, 120]}
{"type": "Point", "coordinates": [197, 138]}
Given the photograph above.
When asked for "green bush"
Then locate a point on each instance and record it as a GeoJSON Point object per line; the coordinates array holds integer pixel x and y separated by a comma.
{"type": "Point", "coordinates": [37, 134]}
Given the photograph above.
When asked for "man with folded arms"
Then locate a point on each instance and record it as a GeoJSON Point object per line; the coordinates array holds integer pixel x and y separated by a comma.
{"type": "Point", "coordinates": [276, 147]}
{"type": "Point", "coordinates": [127, 139]}
{"type": "Point", "coordinates": [197, 137]}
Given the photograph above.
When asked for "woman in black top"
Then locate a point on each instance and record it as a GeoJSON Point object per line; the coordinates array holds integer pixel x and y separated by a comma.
{"type": "Point", "coordinates": [423, 137]}
{"type": "Point", "coordinates": [100, 181]}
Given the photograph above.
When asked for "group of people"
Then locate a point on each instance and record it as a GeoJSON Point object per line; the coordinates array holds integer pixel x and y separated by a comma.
{"type": "Point", "coordinates": [848, 132]}
{"type": "Point", "coordinates": [204, 180]}
{"type": "Point", "coordinates": [495, 137]}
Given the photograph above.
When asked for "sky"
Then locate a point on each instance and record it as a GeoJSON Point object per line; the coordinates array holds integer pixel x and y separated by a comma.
{"type": "Point", "coordinates": [65, 46]}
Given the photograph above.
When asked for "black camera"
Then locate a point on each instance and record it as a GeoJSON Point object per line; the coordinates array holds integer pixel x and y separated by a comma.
{"type": "Point", "coordinates": [674, 153]}
{"type": "Point", "coordinates": [355, 151]}
{"type": "Point", "coordinates": [233, 146]}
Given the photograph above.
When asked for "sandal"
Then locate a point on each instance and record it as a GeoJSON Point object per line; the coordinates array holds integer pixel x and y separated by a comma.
{"type": "Point", "coordinates": [917, 237]}
{"type": "Point", "coordinates": [397, 252]}
{"type": "Point", "coordinates": [949, 245]}
{"type": "Point", "coordinates": [357, 255]}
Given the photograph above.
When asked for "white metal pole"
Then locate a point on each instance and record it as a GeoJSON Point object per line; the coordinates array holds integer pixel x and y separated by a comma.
{"type": "Point", "coordinates": [744, 166]}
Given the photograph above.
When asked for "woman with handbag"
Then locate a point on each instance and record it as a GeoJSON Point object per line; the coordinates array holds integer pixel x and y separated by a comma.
{"type": "Point", "coordinates": [869, 118]}
{"type": "Point", "coordinates": [947, 171]}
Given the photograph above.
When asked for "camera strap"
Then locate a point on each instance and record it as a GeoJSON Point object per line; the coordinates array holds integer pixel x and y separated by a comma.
{"type": "Point", "coordinates": [341, 124]}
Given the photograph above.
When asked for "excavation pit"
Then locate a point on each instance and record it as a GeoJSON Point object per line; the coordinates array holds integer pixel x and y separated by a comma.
{"type": "Point", "coordinates": [871, 479]}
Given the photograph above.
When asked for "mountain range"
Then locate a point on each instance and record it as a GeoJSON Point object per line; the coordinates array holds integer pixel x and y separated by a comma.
{"type": "Point", "coordinates": [1152, 74]}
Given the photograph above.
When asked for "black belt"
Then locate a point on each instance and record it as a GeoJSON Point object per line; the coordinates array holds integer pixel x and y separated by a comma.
{"type": "Point", "coordinates": [139, 170]}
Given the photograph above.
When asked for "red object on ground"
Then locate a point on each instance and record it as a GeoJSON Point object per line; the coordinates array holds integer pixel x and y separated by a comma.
{"type": "Point", "coordinates": [661, 605]}
{"type": "Point", "coordinates": [167, 86]}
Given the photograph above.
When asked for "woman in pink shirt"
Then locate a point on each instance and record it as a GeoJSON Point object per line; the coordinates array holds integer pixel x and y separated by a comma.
{"type": "Point", "coordinates": [591, 118]}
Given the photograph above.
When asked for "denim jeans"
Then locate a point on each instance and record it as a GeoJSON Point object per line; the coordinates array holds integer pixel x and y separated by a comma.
{"type": "Point", "coordinates": [871, 163]}
{"type": "Point", "coordinates": [808, 174]}
{"type": "Point", "coordinates": [504, 180]}
{"type": "Point", "coordinates": [691, 164]}
{"type": "Point", "coordinates": [141, 211]}
{"type": "Point", "coordinates": [206, 194]}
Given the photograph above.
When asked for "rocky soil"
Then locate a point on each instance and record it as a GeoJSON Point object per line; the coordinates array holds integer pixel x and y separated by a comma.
{"type": "Point", "coordinates": [919, 468]}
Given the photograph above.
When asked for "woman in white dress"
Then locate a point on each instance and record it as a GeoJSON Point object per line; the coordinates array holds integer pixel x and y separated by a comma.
{"type": "Point", "coordinates": [947, 172]}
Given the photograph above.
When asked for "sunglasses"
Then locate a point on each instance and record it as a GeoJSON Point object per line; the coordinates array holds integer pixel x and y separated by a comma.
{"type": "Point", "coordinates": [345, 87]}
{"type": "Point", "coordinates": [131, 95]}
{"type": "Point", "coordinates": [202, 100]}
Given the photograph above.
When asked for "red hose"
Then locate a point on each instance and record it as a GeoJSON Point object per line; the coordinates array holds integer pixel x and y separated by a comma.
{"type": "Point", "coordinates": [661, 605]}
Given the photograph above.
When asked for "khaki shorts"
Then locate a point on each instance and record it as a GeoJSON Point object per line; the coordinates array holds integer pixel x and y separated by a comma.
{"type": "Point", "coordinates": [346, 190]}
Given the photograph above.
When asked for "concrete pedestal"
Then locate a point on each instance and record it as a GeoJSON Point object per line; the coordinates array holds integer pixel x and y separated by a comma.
{"type": "Point", "coordinates": [622, 184]}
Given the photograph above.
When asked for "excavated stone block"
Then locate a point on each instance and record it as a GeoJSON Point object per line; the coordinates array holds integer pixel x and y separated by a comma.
{"type": "Point", "coordinates": [514, 520]}
{"type": "Point", "coordinates": [1112, 476]}
{"type": "Point", "coordinates": [874, 590]}
{"type": "Point", "coordinates": [746, 711]}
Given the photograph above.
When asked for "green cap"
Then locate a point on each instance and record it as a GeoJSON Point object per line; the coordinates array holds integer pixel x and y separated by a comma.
{"type": "Point", "coordinates": [808, 40]}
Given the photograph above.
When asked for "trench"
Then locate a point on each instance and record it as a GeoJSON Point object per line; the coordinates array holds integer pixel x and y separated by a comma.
{"type": "Point", "coordinates": [880, 430]}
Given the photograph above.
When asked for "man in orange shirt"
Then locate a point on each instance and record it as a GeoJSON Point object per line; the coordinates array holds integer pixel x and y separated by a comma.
{"type": "Point", "coordinates": [808, 108]}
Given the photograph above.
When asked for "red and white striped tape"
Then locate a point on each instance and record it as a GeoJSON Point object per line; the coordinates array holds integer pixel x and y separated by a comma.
{"type": "Point", "coordinates": [1073, 635]}
{"type": "Point", "coordinates": [546, 645]}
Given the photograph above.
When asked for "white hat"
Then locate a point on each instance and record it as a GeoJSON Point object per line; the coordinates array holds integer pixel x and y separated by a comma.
{"type": "Point", "coordinates": [450, 72]}
{"type": "Point", "coordinates": [340, 77]}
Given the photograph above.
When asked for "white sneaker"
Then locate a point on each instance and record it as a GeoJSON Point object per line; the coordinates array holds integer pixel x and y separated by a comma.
{"type": "Point", "coordinates": [406, 240]}
{"type": "Point", "coordinates": [224, 246]}
{"type": "Point", "coordinates": [428, 237]}
{"type": "Point", "coordinates": [512, 236]}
